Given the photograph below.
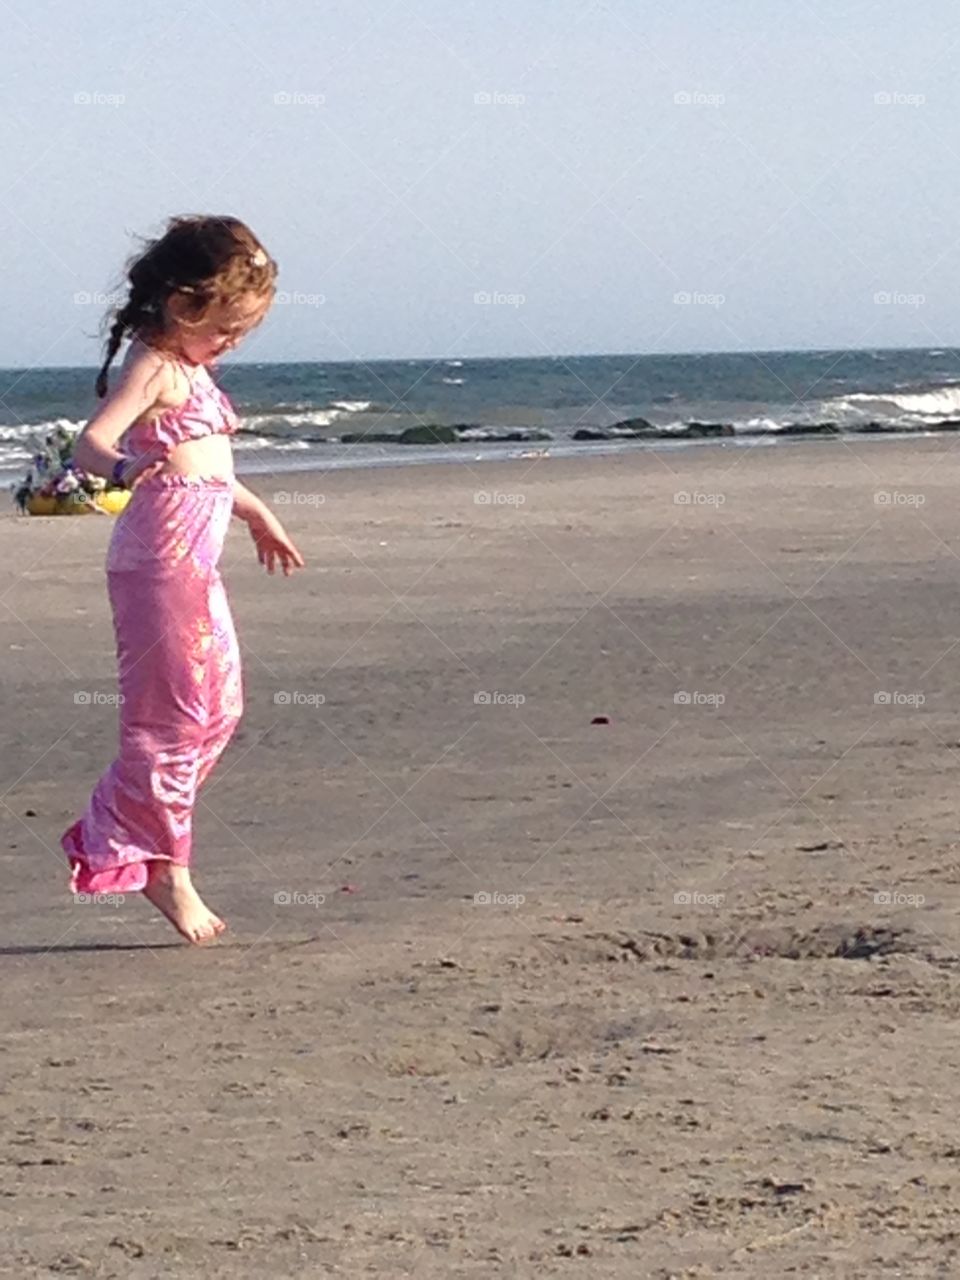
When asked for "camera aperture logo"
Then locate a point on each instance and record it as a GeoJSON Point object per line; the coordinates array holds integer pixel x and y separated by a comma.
{"type": "Point", "coordinates": [295, 98]}
{"type": "Point", "coordinates": [284, 298]}
{"type": "Point", "coordinates": [498, 98]}
{"type": "Point", "coordinates": [88, 298]}
{"type": "Point", "coordinates": [295, 898]}
{"type": "Point", "coordinates": [697, 298]}
{"type": "Point", "coordinates": [697, 98]}
{"type": "Point", "coordinates": [97, 98]}
{"type": "Point", "coordinates": [696, 498]}
{"type": "Point", "coordinates": [484, 899]}
{"type": "Point", "coordinates": [894, 898]}
{"type": "Point", "coordinates": [895, 698]}
{"type": "Point", "coordinates": [298, 698]}
{"type": "Point", "coordinates": [96, 698]}
{"type": "Point", "coordinates": [894, 498]}
{"type": "Point", "coordinates": [897, 298]}
{"type": "Point", "coordinates": [693, 898]}
{"type": "Point", "coordinates": [297, 498]}
{"type": "Point", "coordinates": [697, 698]}
{"type": "Point", "coordinates": [895, 98]}
{"type": "Point", "coordinates": [497, 698]}
{"type": "Point", "coordinates": [497, 298]}
{"type": "Point", "coordinates": [494, 498]}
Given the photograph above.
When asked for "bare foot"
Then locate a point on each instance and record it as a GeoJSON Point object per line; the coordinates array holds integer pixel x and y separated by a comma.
{"type": "Point", "coordinates": [171, 891]}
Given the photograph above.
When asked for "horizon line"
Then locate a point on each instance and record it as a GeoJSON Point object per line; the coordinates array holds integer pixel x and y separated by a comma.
{"type": "Point", "coordinates": [580, 355]}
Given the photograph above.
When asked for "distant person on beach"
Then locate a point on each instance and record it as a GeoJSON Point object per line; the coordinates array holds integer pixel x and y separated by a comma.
{"type": "Point", "coordinates": [194, 293]}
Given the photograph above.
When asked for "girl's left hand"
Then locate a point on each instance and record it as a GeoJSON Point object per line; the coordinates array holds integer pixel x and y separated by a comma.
{"type": "Point", "coordinates": [142, 467]}
{"type": "Point", "coordinates": [273, 543]}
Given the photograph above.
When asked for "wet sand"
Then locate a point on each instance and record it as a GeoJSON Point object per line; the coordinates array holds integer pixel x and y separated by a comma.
{"type": "Point", "coordinates": [701, 756]}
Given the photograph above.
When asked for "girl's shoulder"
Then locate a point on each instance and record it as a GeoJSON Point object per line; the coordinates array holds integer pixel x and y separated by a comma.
{"type": "Point", "coordinates": [156, 379]}
{"type": "Point", "coordinates": [161, 371]}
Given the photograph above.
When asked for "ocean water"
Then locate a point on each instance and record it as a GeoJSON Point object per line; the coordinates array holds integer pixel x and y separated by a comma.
{"type": "Point", "coordinates": [295, 415]}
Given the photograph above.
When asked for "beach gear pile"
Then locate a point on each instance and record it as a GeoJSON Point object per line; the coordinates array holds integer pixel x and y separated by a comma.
{"type": "Point", "coordinates": [53, 485]}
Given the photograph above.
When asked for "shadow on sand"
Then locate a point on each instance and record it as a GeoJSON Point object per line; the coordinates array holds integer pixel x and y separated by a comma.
{"type": "Point", "coordinates": [61, 948]}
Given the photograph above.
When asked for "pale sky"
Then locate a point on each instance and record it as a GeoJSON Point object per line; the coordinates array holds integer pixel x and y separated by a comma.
{"type": "Point", "coordinates": [790, 169]}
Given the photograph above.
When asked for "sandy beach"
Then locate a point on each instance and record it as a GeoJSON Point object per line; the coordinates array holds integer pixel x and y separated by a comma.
{"type": "Point", "coordinates": [688, 719]}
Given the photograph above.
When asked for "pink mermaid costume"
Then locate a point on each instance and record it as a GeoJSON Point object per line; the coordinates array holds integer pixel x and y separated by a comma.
{"type": "Point", "coordinates": [177, 654]}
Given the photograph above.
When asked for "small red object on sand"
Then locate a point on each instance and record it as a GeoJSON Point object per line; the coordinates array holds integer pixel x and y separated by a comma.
{"type": "Point", "coordinates": [349, 888]}
{"type": "Point", "coordinates": [600, 720]}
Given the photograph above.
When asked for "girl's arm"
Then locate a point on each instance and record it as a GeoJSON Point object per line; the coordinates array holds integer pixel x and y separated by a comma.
{"type": "Point", "coordinates": [246, 505]}
{"type": "Point", "coordinates": [269, 536]}
{"type": "Point", "coordinates": [137, 390]}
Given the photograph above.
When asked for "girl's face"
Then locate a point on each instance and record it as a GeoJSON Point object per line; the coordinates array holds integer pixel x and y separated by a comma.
{"type": "Point", "coordinates": [224, 328]}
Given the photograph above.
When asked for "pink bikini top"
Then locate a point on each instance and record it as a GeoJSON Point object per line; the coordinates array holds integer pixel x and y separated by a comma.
{"type": "Point", "coordinates": [205, 412]}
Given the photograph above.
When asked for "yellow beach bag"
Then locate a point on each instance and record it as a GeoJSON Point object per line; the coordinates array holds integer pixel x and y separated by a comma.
{"type": "Point", "coordinates": [110, 501]}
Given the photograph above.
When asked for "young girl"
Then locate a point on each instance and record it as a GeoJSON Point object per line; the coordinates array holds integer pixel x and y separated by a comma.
{"type": "Point", "coordinates": [164, 432]}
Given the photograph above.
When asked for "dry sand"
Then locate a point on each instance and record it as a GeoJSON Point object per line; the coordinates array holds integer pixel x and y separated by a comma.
{"type": "Point", "coordinates": [600, 1080]}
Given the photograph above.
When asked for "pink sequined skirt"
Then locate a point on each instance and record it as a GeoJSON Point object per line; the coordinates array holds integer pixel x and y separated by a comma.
{"type": "Point", "coordinates": [179, 681]}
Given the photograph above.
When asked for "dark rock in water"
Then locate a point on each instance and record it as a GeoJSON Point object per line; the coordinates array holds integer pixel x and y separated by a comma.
{"type": "Point", "coordinates": [503, 435]}
{"type": "Point", "coordinates": [641, 429]}
{"type": "Point", "coordinates": [794, 429]}
{"type": "Point", "coordinates": [427, 434]}
{"type": "Point", "coordinates": [873, 428]}
{"type": "Point", "coordinates": [522, 434]}
{"type": "Point", "coordinates": [433, 433]}
{"type": "Point", "coordinates": [369, 437]}
{"type": "Point", "coordinates": [631, 428]}
{"type": "Point", "coordinates": [701, 430]}
{"type": "Point", "coordinates": [808, 429]}
{"type": "Point", "coordinates": [634, 424]}
{"type": "Point", "coordinates": [620, 431]}
{"type": "Point", "coordinates": [945, 424]}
